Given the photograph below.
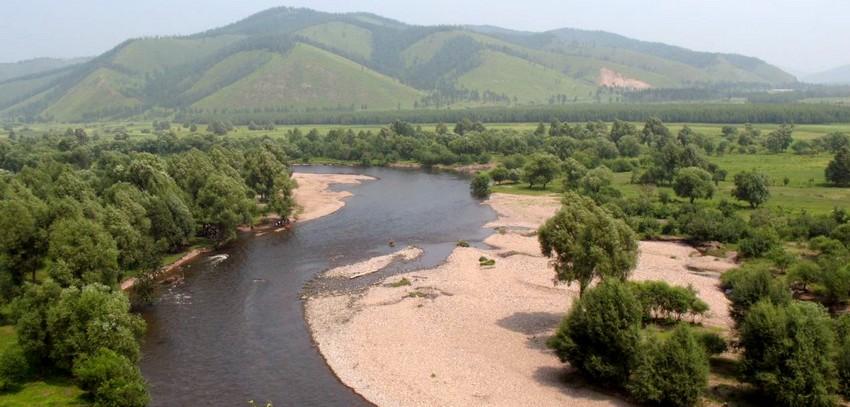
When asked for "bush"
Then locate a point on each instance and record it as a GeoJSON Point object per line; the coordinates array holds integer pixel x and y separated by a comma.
{"type": "Point", "coordinates": [751, 285]}
{"type": "Point", "coordinates": [788, 353]}
{"type": "Point", "coordinates": [660, 300]}
{"type": "Point", "coordinates": [480, 185]}
{"type": "Point", "coordinates": [758, 243]}
{"type": "Point", "coordinates": [14, 367]}
{"type": "Point", "coordinates": [600, 335]}
{"type": "Point", "coordinates": [111, 379]}
{"type": "Point", "coordinates": [713, 343]}
{"type": "Point", "coordinates": [711, 225]}
{"type": "Point", "coordinates": [672, 371]}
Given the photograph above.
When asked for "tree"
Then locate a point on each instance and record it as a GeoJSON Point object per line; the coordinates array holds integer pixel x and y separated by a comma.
{"type": "Point", "coordinates": [23, 221]}
{"type": "Point", "coordinates": [30, 313]}
{"type": "Point", "coordinates": [752, 187]}
{"type": "Point", "coordinates": [480, 185]}
{"type": "Point", "coordinates": [600, 335]}
{"type": "Point", "coordinates": [82, 252]}
{"type": "Point", "coordinates": [838, 170]}
{"type": "Point", "coordinates": [223, 204]}
{"type": "Point", "coordinates": [112, 379]}
{"type": "Point", "coordinates": [842, 363]}
{"type": "Point", "coordinates": [86, 319]}
{"type": "Point", "coordinates": [541, 170]}
{"type": "Point", "coordinates": [596, 184]}
{"type": "Point", "coordinates": [654, 132]}
{"type": "Point", "coordinates": [778, 140]}
{"type": "Point", "coordinates": [629, 146]}
{"type": "Point", "coordinates": [693, 183]}
{"type": "Point", "coordinates": [262, 170]}
{"type": "Point", "coordinates": [753, 285]}
{"type": "Point", "coordinates": [788, 353]}
{"type": "Point", "coordinates": [717, 174]}
{"type": "Point", "coordinates": [672, 371]}
{"type": "Point", "coordinates": [499, 174]}
{"type": "Point", "coordinates": [586, 242]}
{"type": "Point", "coordinates": [573, 172]}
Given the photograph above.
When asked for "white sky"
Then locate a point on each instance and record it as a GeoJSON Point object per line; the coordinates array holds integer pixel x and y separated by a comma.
{"type": "Point", "coordinates": [812, 35]}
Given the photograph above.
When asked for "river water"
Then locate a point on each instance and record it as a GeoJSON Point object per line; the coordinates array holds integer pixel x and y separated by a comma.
{"type": "Point", "coordinates": [234, 330]}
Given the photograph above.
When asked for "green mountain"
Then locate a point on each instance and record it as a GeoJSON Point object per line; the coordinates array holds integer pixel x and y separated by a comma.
{"type": "Point", "coordinates": [296, 60]}
{"type": "Point", "coordinates": [35, 66]}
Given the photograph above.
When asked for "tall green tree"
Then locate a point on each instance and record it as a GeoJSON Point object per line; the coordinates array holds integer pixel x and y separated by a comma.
{"type": "Point", "coordinates": [23, 221]}
{"type": "Point", "coordinates": [693, 183]}
{"type": "Point", "coordinates": [586, 242]}
{"type": "Point", "coordinates": [752, 187]}
{"type": "Point", "coordinates": [223, 204]}
{"type": "Point", "coordinates": [838, 169]}
{"type": "Point", "coordinates": [541, 169]}
{"type": "Point", "coordinates": [83, 252]}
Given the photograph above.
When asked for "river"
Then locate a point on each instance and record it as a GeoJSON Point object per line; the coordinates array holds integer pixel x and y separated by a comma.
{"type": "Point", "coordinates": [234, 330]}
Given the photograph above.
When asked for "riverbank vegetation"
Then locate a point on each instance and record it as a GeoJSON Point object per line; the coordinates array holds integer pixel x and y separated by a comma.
{"type": "Point", "coordinates": [91, 206]}
{"type": "Point", "coordinates": [81, 213]}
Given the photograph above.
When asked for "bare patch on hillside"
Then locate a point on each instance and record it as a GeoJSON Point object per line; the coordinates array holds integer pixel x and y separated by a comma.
{"type": "Point", "coordinates": [613, 79]}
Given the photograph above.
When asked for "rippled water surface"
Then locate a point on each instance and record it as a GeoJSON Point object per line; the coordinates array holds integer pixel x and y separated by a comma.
{"type": "Point", "coordinates": [234, 330]}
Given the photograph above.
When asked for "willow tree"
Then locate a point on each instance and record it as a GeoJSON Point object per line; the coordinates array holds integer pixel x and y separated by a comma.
{"type": "Point", "coordinates": [586, 242]}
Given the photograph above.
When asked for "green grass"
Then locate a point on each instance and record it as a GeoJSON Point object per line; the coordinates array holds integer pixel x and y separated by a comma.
{"type": "Point", "coordinates": [529, 82]}
{"type": "Point", "coordinates": [52, 391]}
{"type": "Point", "coordinates": [341, 36]}
{"type": "Point", "coordinates": [308, 77]}
{"type": "Point", "coordinates": [400, 283]}
{"type": "Point", "coordinates": [151, 55]}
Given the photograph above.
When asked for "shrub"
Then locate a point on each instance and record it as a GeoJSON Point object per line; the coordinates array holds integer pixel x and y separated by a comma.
{"type": "Point", "coordinates": [758, 243]}
{"type": "Point", "coordinates": [673, 371]}
{"type": "Point", "coordinates": [788, 353]}
{"type": "Point", "coordinates": [751, 285]}
{"type": "Point", "coordinates": [713, 343]}
{"type": "Point", "coordinates": [600, 335]}
{"type": "Point", "coordinates": [462, 243]}
{"type": "Point", "coordinates": [111, 379]}
{"type": "Point", "coordinates": [480, 185]}
{"type": "Point", "coordinates": [660, 300]}
{"type": "Point", "coordinates": [14, 367]}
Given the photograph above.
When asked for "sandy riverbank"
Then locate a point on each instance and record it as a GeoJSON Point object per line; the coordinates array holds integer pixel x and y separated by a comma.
{"type": "Point", "coordinates": [166, 271]}
{"type": "Point", "coordinates": [314, 196]}
{"type": "Point", "coordinates": [463, 335]}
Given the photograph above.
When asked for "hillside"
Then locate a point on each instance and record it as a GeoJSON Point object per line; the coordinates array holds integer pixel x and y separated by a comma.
{"type": "Point", "coordinates": [298, 60]}
{"type": "Point", "coordinates": [35, 66]}
{"type": "Point", "coordinates": [839, 75]}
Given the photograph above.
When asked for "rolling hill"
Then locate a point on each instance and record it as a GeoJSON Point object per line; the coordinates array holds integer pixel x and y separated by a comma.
{"type": "Point", "coordinates": [839, 75]}
{"type": "Point", "coordinates": [296, 60]}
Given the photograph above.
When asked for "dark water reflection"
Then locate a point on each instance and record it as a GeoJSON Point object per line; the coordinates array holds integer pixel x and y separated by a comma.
{"type": "Point", "coordinates": [235, 331]}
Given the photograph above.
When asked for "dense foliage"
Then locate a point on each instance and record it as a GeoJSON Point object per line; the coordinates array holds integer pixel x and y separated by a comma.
{"type": "Point", "coordinates": [81, 213]}
{"type": "Point", "coordinates": [601, 334]}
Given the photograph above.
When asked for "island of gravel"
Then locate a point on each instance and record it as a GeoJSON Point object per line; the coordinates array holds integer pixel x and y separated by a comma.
{"type": "Point", "coordinates": [462, 334]}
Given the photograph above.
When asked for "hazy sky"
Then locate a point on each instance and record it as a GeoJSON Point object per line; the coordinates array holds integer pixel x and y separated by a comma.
{"type": "Point", "coordinates": [809, 35]}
